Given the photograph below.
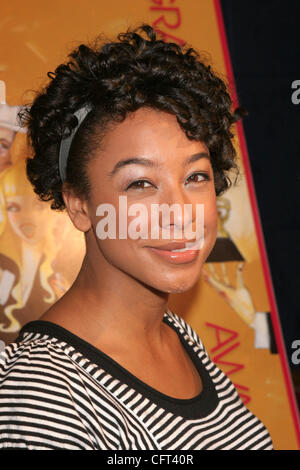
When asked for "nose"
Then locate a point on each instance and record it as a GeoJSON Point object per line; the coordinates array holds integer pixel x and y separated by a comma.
{"type": "Point", "coordinates": [177, 212]}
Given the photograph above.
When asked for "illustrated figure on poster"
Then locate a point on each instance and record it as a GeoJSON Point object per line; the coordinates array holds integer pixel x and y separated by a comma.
{"type": "Point", "coordinates": [30, 240]}
{"type": "Point", "coordinates": [239, 296]}
{"type": "Point", "coordinates": [33, 275]}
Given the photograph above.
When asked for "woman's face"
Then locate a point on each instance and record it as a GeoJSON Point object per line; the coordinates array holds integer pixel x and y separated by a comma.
{"type": "Point", "coordinates": [28, 217]}
{"type": "Point", "coordinates": [169, 176]}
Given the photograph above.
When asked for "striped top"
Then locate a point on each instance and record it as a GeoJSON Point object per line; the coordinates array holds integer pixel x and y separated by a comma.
{"type": "Point", "coordinates": [59, 392]}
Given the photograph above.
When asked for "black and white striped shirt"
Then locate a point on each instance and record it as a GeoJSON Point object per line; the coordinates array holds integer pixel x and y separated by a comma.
{"type": "Point", "coordinates": [59, 392]}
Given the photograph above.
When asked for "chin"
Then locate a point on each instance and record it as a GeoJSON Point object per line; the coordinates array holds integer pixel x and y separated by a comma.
{"type": "Point", "coordinates": [177, 290]}
{"type": "Point", "coordinates": [174, 282]}
{"type": "Point", "coordinates": [178, 287]}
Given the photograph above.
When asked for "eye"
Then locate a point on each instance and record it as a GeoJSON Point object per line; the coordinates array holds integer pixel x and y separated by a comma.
{"type": "Point", "coordinates": [198, 177]}
{"type": "Point", "coordinates": [4, 145]}
{"type": "Point", "coordinates": [139, 184]}
{"type": "Point", "coordinates": [12, 207]}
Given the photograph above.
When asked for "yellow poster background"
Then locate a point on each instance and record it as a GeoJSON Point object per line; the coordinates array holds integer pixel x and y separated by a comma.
{"type": "Point", "coordinates": [35, 37]}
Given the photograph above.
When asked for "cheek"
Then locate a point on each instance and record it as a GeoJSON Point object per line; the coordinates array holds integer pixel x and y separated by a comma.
{"type": "Point", "coordinates": [210, 223]}
{"type": "Point", "coordinates": [211, 215]}
{"type": "Point", "coordinates": [133, 221]}
{"type": "Point", "coordinates": [122, 254]}
{"type": "Point", "coordinates": [13, 218]}
{"type": "Point", "coordinates": [38, 218]}
{"type": "Point", "coordinates": [4, 152]}
{"type": "Point", "coordinates": [138, 221]}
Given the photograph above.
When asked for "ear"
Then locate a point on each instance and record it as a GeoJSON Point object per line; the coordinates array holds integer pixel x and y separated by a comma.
{"type": "Point", "coordinates": [77, 209]}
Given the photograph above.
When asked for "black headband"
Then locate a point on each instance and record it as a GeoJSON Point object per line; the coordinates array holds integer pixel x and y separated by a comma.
{"type": "Point", "coordinates": [67, 141]}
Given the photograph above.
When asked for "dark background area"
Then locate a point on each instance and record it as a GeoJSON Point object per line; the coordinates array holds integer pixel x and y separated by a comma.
{"type": "Point", "coordinates": [264, 44]}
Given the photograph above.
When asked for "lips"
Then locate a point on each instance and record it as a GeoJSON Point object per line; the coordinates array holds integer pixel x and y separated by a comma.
{"type": "Point", "coordinates": [176, 245]}
{"type": "Point", "coordinates": [28, 229]}
{"type": "Point", "coordinates": [177, 256]}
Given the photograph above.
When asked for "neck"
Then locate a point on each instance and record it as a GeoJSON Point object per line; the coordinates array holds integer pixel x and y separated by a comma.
{"type": "Point", "coordinates": [104, 301]}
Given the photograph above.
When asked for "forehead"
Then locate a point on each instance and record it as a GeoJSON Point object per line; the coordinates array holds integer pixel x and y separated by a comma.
{"type": "Point", "coordinates": [152, 133]}
{"type": "Point", "coordinates": [24, 198]}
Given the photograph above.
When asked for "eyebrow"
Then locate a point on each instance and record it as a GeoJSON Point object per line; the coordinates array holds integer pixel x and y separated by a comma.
{"type": "Point", "coordinates": [150, 163]}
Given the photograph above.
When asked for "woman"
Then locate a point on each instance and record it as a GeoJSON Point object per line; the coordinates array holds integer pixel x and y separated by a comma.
{"type": "Point", "coordinates": [109, 366]}
{"type": "Point", "coordinates": [29, 245]}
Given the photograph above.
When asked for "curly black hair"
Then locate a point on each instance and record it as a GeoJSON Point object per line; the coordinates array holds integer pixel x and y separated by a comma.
{"type": "Point", "coordinates": [114, 79]}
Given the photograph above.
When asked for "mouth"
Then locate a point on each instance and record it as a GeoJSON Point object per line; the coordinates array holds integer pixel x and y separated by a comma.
{"type": "Point", "coordinates": [179, 252]}
{"type": "Point", "coordinates": [180, 247]}
{"type": "Point", "coordinates": [28, 229]}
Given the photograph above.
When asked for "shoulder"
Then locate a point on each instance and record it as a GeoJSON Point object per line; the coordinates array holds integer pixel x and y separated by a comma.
{"type": "Point", "coordinates": [38, 385]}
{"type": "Point", "coordinates": [193, 339]}
{"type": "Point", "coordinates": [228, 396]}
{"type": "Point", "coordinates": [34, 352]}
{"type": "Point", "coordinates": [187, 328]}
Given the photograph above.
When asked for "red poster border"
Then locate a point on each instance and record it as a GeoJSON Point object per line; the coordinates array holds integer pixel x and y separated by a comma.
{"type": "Point", "coordinates": [258, 228]}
